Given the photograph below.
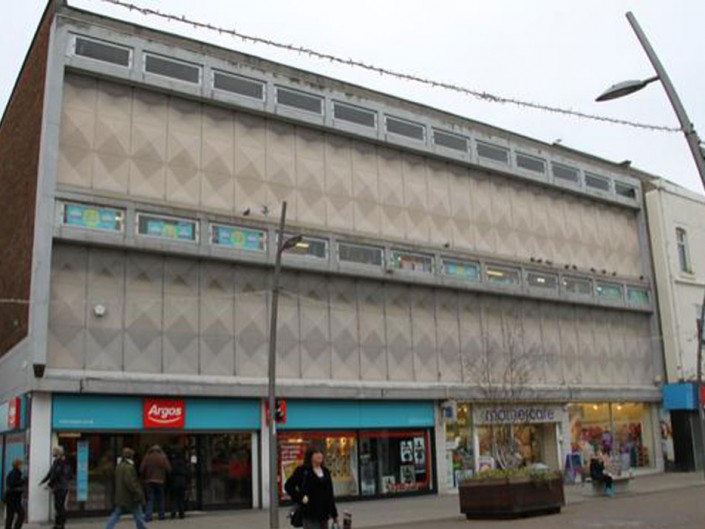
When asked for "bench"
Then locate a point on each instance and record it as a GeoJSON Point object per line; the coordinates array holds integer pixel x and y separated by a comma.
{"type": "Point", "coordinates": [620, 482]}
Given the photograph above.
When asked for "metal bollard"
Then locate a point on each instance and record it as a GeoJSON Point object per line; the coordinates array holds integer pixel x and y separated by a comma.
{"type": "Point", "coordinates": [347, 520]}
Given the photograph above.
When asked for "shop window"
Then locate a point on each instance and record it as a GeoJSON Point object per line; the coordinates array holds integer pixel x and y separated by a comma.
{"type": "Point", "coordinates": [465, 270]}
{"type": "Point", "coordinates": [340, 451]}
{"type": "Point", "coordinates": [501, 275]}
{"type": "Point", "coordinates": [609, 291]}
{"type": "Point", "coordinates": [364, 463]}
{"type": "Point", "coordinates": [460, 456]}
{"type": "Point", "coordinates": [238, 238]}
{"type": "Point", "coordinates": [541, 280]}
{"type": "Point", "coordinates": [621, 431]}
{"type": "Point", "coordinates": [92, 217]}
{"type": "Point", "coordinates": [412, 261]}
{"type": "Point", "coordinates": [167, 227]}
{"type": "Point", "coordinates": [394, 462]}
{"type": "Point", "coordinates": [577, 285]}
{"type": "Point", "coordinates": [226, 469]}
{"type": "Point", "coordinates": [360, 254]}
{"type": "Point", "coordinates": [638, 296]}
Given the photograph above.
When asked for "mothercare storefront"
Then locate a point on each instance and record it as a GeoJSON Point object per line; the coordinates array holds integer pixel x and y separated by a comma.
{"type": "Point", "coordinates": [219, 438]}
{"type": "Point", "coordinates": [13, 438]}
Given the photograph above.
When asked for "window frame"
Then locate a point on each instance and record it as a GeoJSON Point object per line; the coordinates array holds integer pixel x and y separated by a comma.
{"type": "Point", "coordinates": [160, 56]}
{"type": "Point", "coordinates": [683, 250]}
{"type": "Point", "coordinates": [609, 284]}
{"type": "Point", "coordinates": [216, 72]}
{"type": "Point", "coordinates": [465, 263]}
{"type": "Point", "coordinates": [120, 218]}
{"type": "Point", "coordinates": [130, 50]}
{"type": "Point", "coordinates": [195, 222]}
{"type": "Point", "coordinates": [307, 255]}
{"type": "Point", "coordinates": [214, 226]}
{"type": "Point", "coordinates": [586, 280]}
{"type": "Point", "coordinates": [363, 246]}
{"type": "Point", "coordinates": [541, 274]}
{"type": "Point", "coordinates": [637, 288]}
{"type": "Point", "coordinates": [497, 268]}
{"type": "Point", "coordinates": [397, 251]}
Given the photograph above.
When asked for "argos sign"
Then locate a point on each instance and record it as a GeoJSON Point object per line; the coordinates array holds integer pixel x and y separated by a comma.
{"type": "Point", "coordinates": [164, 413]}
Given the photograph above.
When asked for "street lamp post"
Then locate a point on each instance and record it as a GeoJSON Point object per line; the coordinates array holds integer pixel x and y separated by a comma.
{"type": "Point", "coordinates": [696, 149]}
{"type": "Point", "coordinates": [282, 245]}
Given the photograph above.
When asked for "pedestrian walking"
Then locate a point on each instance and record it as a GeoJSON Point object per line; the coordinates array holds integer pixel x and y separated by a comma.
{"type": "Point", "coordinates": [129, 494]}
{"type": "Point", "coordinates": [14, 487]}
{"type": "Point", "coordinates": [311, 487]}
{"type": "Point", "coordinates": [57, 480]}
{"type": "Point", "coordinates": [178, 482]}
{"type": "Point", "coordinates": [154, 469]}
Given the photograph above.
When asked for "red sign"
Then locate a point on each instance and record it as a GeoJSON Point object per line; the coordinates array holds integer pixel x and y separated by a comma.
{"type": "Point", "coordinates": [14, 412]}
{"type": "Point", "coordinates": [280, 412]}
{"type": "Point", "coordinates": [164, 413]}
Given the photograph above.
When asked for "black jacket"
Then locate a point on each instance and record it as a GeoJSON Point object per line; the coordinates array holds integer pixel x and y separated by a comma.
{"type": "Point", "coordinates": [305, 482]}
{"type": "Point", "coordinates": [180, 473]}
{"type": "Point", "coordinates": [59, 474]}
{"type": "Point", "coordinates": [597, 469]}
{"type": "Point", "coordinates": [14, 484]}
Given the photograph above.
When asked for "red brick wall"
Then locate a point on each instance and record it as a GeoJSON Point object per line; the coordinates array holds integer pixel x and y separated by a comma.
{"type": "Point", "coordinates": [20, 133]}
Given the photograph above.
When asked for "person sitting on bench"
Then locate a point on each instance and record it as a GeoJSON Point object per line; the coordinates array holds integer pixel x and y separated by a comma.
{"type": "Point", "coordinates": [599, 475]}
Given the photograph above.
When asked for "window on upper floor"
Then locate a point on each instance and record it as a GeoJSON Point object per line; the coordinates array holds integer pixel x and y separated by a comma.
{"type": "Point", "coordinates": [503, 275]}
{"type": "Point", "coordinates": [415, 262]}
{"type": "Point", "coordinates": [609, 291]}
{"type": "Point", "coordinates": [683, 250]}
{"type": "Point", "coordinates": [238, 238]}
{"type": "Point", "coordinates": [360, 254]}
{"type": "Point", "coordinates": [637, 295]}
{"type": "Point", "coordinates": [577, 285]}
{"type": "Point", "coordinates": [465, 270]}
{"type": "Point", "coordinates": [542, 280]}
{"type": "Point", "coordinates": [308, 247]}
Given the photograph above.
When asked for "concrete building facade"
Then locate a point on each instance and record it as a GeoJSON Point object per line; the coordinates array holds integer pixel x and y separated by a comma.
{"type": "Point", "coordinates": [436, 251]}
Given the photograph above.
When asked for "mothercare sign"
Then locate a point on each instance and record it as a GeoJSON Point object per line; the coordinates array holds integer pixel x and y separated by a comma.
{"type": "Point", "coordinates": [516, 414]}
{"type": "Point", "coordinates": [164, 413]}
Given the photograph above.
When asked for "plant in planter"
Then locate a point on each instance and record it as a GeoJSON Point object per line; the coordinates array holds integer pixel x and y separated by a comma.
{"type": "Point", "coordinates": [511, 493]}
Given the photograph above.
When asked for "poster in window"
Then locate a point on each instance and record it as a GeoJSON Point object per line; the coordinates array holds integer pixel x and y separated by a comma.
{"type": "Point", "coordinates": [389, 484]}
{"type": "Point", "coordinates": [407, 475]}
{"type": "Point", "coordinates": [92, 217]}
{"type": "Point", "coordinates": [420, 452]}
{"type": "Point", "coordinates": [406, 449]}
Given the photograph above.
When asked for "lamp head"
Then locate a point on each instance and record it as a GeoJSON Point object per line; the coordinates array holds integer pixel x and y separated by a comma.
{"type": "Point", "coordinates": [624, 89]}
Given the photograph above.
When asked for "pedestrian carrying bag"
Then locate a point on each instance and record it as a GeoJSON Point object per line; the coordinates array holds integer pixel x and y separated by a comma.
{"type": "Point", "coordinates": [296, 515]}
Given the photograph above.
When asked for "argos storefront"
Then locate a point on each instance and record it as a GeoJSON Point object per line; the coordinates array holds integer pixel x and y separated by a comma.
{"type": "Point", "coordinates": [219, 438]}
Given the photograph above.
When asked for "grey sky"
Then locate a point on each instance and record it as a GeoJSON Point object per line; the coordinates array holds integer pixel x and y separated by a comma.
{"type": "Point", "coordinates": [557, 52]}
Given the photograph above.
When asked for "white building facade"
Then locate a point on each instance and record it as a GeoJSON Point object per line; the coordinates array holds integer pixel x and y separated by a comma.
{"type": "Point", "coordinates": [676, 219]}
{"type": "Point", "coordinates": [435, 248]}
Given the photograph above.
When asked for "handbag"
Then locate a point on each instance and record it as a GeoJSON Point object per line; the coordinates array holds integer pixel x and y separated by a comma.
{"type": "Point", "coordinates": [296, 515]}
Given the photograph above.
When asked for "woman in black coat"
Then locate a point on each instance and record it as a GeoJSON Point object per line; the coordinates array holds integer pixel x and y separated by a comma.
{"type": "Point", "coordinates": [311, 487]}
{"type": "Point", "coordinates": [14, 486]}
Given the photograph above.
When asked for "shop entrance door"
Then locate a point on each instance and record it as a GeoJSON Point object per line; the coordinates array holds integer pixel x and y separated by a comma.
{"type": "Point", "coordinates": [174, 445]}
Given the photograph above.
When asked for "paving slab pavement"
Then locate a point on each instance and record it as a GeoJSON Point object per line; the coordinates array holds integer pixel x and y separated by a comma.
{"type": "Point", "coordinates": [380, 513]}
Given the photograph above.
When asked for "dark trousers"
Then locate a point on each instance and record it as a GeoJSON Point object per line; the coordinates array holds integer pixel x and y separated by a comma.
{"type": "Point", "coordinates": [60, 508]}
{"type": "Point", "coordinates": [155, 492]}
{"type": "Point", "coordinates": [14, 510]}
{"type": "Point", "coordinates": [178, 501]}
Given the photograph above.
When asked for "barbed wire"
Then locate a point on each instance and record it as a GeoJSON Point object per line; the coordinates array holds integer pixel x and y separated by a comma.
{"type": "Point", "coordinates": [355, 63]}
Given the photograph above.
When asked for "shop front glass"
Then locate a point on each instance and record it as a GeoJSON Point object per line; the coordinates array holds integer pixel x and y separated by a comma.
{"type": "Point", "coordinates": [364, 463]}
{"type": "Point", "coordinates": [524, 444]}
{"type": "Point", "coordinates": [220, 466]}
{"type": "Point", "coordinates": [460, 457]}
{"type": "Point", "coordinates": [623, 432]}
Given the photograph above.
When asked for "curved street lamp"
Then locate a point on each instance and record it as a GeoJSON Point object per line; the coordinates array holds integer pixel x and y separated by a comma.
{"type": "Point", "coordinates": [282, 245]}
{"type": "Point", "coordinates": [629, 87]}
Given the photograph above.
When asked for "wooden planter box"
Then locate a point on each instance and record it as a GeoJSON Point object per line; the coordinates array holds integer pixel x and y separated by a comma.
{"type": "Point", "coordinates": [510, 497]}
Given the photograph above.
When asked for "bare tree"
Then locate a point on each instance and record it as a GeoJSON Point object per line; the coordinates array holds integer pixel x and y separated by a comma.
{"type": "Point", "coordinates": [502, 374]}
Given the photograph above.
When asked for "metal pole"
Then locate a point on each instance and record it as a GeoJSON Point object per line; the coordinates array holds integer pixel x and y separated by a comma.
{"type": "Point", "coordinates": [272, 374]}
{"type": "Point", "coordinates": [686, 125]}
{"type": "Point", "coordinates": [693, 140]}
{"type": "Point", "coordinates": [701, 410]}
